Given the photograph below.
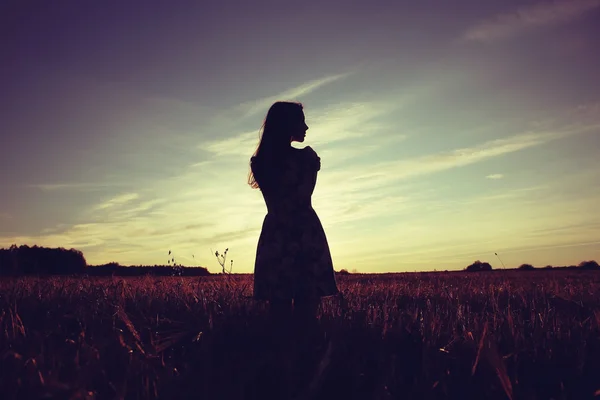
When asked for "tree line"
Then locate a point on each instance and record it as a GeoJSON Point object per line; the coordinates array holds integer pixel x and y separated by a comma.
{"type": "Point", "coordinates": [479, 266]}
{"type": "Point", "coordinates": [36, 260]}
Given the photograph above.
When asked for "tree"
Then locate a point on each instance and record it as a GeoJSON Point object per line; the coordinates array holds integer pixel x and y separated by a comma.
{"type": "Point", "coordinates": [526, 267]}
{"type": "Point", "coordinates": [25, 260]}
{"type": "Point", "coordinates": [591, 265]}
{"type": "Point", "coordinates": [478, 266]}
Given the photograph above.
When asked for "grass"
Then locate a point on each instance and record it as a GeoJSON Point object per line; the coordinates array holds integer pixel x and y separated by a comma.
{"type": "Point", "coordinates": [514, 335]}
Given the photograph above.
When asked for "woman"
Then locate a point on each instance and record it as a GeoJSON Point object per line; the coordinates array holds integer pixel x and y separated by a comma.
{"type": "Point", "coordinates": [293, 261]}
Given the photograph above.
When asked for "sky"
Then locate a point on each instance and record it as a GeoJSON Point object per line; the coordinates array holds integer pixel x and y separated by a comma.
{"type": "Point", "coordinates": [447, 131]}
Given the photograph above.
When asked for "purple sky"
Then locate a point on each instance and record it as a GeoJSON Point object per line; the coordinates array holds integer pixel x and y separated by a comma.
{"type": "Point", "coordinates": [126, 127]}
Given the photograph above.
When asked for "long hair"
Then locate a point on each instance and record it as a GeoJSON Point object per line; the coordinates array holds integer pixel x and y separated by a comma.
{"type": "Point", "coordinates": [274, 143]}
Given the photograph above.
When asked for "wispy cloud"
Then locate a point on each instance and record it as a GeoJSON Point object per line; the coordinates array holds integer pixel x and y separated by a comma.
{"type": "Point", "coordinates": [495, 176]}
{"type": "Point", "coordinates": [542, 14]}
{"type": "Point", "coordinates": [537, 192]}
{"type": "Point", "coordinates": [116, 201]}
{"type": "Point", "coordinates": [574, 121]}
{"type": "Point", "coordinates": [67, 186]}
{"type": "Point", "coordinates": [260, 105]}
{"type": "Point", "coordinates": [242, 144]}
{"type": "Point", "coordinates": [383, 173]}
{"type": "Point", "coordinates": [349, 120]}
{"type": "Point", "coordinates": [128, 209]}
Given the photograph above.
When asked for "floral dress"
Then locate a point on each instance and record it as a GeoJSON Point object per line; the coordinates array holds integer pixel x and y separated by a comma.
{"type": "Point", "coordinates": [292, 257]}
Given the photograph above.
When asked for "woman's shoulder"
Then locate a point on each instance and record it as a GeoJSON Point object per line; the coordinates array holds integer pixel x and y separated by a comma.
{"type": "Point", "coordinates": [309, 150]}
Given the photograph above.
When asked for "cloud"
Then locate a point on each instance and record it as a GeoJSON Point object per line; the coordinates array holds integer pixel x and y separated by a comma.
{"type": "Point", "coordinates": [512, 194]}
{"type": "Point", "coordinates": [116, 201]}
{"type": "Point", "coordinates": [350, 120]}
{"type": "Point", "coordinates": [260, 105]}
{"type": "Point", "coordinates": [129, 209]}
{"type": "Point", "coordinates": [579, 120]}
{"type": "Point", "coordinates": [530, 17]}
{"type": "Point", "coordinates": [242, 144]}
{"type": "Point", "coordinates": [386, 172]}
{"type": "Point", "coordinates": [495, 176]}
{"type": "Point", "coordinates": [49, 187]}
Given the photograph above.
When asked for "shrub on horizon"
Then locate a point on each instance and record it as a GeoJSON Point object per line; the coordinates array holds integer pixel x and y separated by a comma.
{"type": "Point", "coordinates": [478, 266]}
{"type": "Point", "coordinates": [526, 267]}
{"type": "Point", "coordinates": [591, 265]}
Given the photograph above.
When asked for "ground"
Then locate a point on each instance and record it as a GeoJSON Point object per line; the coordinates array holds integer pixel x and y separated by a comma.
{"type": "Point", "coordinates": [493, 335]}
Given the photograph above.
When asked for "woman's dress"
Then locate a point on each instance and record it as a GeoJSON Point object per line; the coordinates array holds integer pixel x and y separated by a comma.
{"type": "Point", "coordinates": [292, 257]}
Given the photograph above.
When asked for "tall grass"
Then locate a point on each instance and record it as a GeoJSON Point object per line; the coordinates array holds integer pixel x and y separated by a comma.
{"type": "Point", "coordinates": [412, 336]}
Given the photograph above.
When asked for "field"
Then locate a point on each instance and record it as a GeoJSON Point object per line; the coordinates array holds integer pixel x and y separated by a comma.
{"type": "Point", "coordinates": [495, 335]}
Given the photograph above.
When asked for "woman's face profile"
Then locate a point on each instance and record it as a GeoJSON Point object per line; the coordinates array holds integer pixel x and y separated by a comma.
{"type": "Point", "coordinates": [299, 129]}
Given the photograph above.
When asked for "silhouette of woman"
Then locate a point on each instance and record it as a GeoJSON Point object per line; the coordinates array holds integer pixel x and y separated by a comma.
{"type": "Point", "coordinates": [293, 262]}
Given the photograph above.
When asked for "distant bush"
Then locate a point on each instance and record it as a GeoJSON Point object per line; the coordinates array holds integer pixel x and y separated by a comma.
{"type": "Point", "coordinates": [526, 267]}
{"type": "Point", "coordinates": [548, 267]}
{"type": "Point", "coordinates": [344, 272]}
{"type": "Point", "coordinates": [478, 266]}
{"type": "Point", "coordinates": [589, 265]}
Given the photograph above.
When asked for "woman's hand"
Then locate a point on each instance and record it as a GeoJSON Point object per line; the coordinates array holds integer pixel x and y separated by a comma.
{"type": "Point", "coordinates": [314, 158]}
